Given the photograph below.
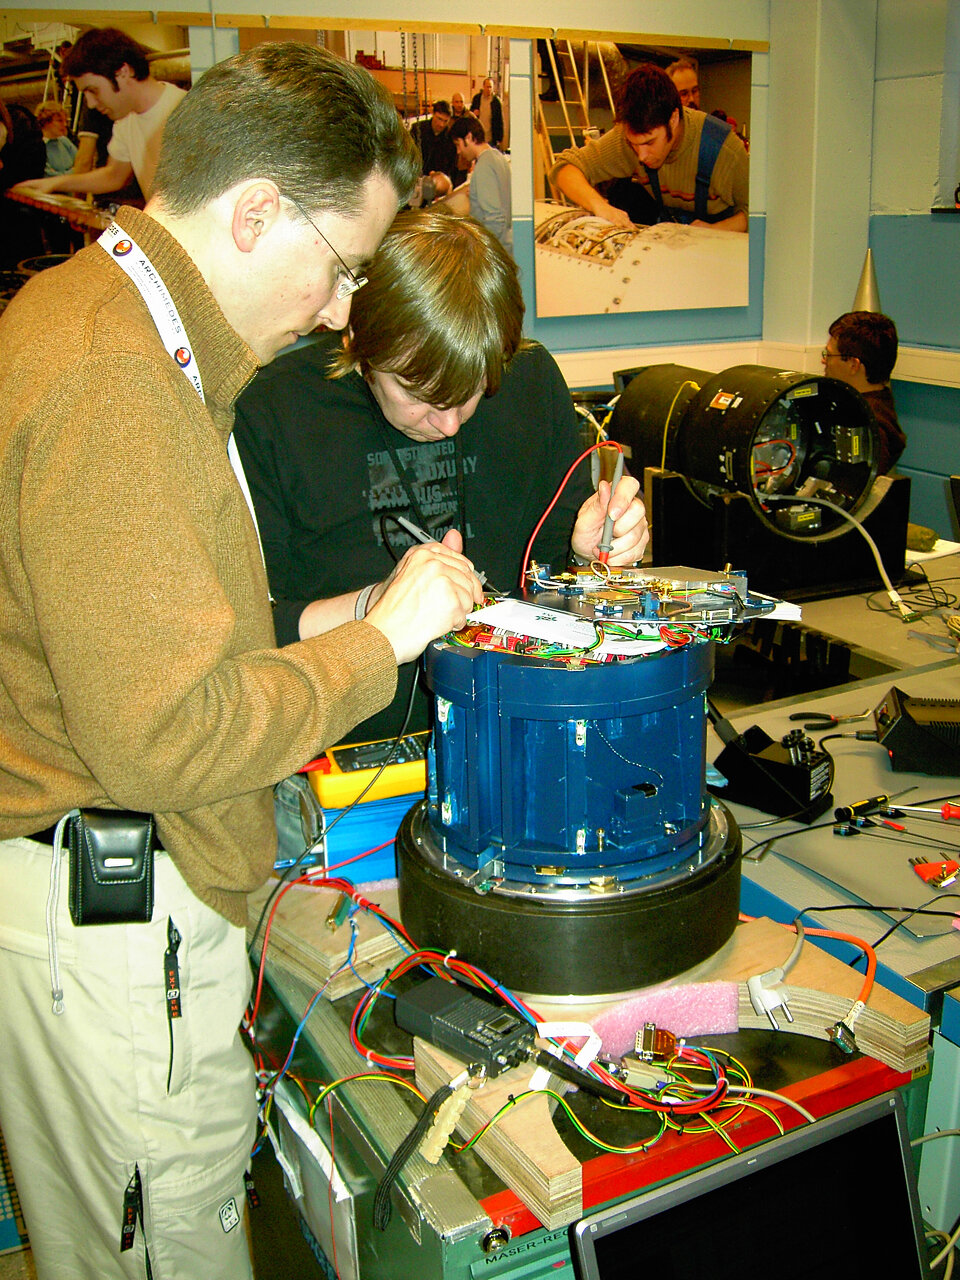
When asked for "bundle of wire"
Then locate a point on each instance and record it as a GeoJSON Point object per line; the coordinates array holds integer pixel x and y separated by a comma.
{"type": "Point", "coordinates": [676, 1097]}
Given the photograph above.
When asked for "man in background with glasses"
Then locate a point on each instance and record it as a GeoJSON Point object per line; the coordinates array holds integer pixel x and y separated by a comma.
{"type": "Point", "coordinates": [861, 351]}
{"type": "Point", "coordinates": [138, 663]}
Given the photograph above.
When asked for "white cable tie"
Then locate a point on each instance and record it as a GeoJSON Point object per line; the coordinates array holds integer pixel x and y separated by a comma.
{"type": "Point", "coordinates": [572, 1030]}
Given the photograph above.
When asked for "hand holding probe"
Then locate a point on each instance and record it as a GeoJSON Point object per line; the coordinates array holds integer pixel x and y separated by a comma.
{"type": "Point", "coordinates": [606, 538]}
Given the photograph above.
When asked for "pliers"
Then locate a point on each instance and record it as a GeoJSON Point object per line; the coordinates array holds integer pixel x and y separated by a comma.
{"type": "Point", "coordinates": [824, 720]}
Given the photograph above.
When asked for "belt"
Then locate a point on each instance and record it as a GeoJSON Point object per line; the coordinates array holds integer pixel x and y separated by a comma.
{"type": "Point", "coordinates": [47, 835]}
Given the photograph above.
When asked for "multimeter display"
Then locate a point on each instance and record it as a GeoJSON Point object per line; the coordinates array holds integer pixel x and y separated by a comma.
{"type": "Point", "coordinates": [341, 773]}
{"type": "Point", "coordinates": [371, 755]}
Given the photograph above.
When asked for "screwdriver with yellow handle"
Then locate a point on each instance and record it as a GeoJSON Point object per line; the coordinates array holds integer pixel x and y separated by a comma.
{"type": "Point", "coordinates": [862, 808]}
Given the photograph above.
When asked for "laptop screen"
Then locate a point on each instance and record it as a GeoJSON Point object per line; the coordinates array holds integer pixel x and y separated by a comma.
{"type": "Point", "coordinates": [836, 1200]}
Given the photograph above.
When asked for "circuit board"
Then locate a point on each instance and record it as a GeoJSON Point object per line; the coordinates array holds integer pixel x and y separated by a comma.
{"type": "Point", "coordinates": [593, 613]}
{"type": "Point", "coordinates": [670, 595]}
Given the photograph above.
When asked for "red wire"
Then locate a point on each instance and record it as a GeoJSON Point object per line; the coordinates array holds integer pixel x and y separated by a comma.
{"type": "Point", "coordinates": [326, 882]}
{"type": "Point", "coordinates": [602, 444]}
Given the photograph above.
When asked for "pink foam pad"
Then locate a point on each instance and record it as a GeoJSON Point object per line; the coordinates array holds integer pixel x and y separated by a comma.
{"type": "Point", "coordinates": [370, 887]}
{"type": "Point", "coordinates": [698, 1009]}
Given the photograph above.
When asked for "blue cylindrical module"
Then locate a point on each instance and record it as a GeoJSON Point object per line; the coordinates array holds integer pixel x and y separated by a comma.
{"type": "Point", "coordinates": [568, 844]}
{"type": "Point", "coordinates": [593, 769]}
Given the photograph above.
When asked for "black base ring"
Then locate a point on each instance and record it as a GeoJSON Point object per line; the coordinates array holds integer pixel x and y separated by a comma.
{"type": "Point", "coordinates": [602, 944]}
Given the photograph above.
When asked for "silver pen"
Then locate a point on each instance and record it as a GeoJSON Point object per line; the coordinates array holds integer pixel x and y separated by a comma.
{"type": "Point", "coordinates": [416, 532]}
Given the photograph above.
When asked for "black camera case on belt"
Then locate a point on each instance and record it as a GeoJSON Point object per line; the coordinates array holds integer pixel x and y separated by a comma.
{"type": "Point", "coordinates": [111, 866]}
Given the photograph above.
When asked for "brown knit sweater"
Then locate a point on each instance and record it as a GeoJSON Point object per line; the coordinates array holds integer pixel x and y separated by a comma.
{"type": "Point", "coordinates": [137, 659]}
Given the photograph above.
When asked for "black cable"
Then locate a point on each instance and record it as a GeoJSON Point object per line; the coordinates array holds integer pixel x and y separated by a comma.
{"type": "Point", "coordinates": [384, 517]}
{"type": "Point", "coordinates": [382, 1208]}
{"type": "Point", "coordinates": [924, 910]}
{"type": "Point", "coordinates": [917, 911]}
{"type": "Point", "coordinates": [814, 826]}
{"type": "Point", "coordinates": [288, 872]}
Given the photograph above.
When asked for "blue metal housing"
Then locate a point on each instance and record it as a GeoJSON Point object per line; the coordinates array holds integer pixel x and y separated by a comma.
{"type": "Point", "coordinates": [570, 772]}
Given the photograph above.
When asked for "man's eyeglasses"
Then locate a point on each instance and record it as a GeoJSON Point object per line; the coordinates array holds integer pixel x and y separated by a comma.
{"type": "Point", "coordinates": [347, 286]}
{"type": "Point", "coordinates": [826, 355]}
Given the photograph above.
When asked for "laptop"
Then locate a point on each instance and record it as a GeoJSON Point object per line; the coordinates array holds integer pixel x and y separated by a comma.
{"type": "Point", "coordinates": [835, 1200]}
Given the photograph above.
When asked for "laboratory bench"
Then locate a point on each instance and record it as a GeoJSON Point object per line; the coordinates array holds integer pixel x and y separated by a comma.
{"type": "Point", "coordinates": [457, 1219]}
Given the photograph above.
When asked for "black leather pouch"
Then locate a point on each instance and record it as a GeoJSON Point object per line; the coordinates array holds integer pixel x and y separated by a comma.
{"type": "Point", "coordinates": [111, 866]}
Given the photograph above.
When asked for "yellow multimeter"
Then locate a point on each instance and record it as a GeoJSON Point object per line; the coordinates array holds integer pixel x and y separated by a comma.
{"type": "Point", "coordinates": [342, 773]}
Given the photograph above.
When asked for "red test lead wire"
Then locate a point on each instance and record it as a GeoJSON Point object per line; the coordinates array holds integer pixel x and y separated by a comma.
{"type": "Point", "coordinates": [603, 444]}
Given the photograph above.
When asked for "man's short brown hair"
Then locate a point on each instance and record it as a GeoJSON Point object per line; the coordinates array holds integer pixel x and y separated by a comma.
{"type": "Point", "coordinates": [102, 51]}
{"type": "Point", "coordinates": [871, 338]}
{"type": "Point", "coordinates": [468, 124]}
{"type": "Point", "coordinates": [311, 122]}
{"type": "Point", "coordinates": [648, 100]}
{"type": "Point", "coordinates": [443, 310]}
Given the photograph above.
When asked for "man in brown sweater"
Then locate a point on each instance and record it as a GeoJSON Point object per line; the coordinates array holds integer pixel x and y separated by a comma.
{"type": "Point", "coordinates": [138, 667]}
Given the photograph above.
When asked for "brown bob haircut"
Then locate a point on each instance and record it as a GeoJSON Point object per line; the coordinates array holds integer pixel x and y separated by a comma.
{"type": "Point", "coordinates": [443, 310]}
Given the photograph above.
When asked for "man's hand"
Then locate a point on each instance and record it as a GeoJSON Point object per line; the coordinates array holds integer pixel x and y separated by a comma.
{"type": "Point", "coordinates": [573, 183]}
{"type": "Point", "coordinates": [429, 593]}
{"type": "Point", "coordinates": [610, 213]}
{"type": "Point", "coordinates": [37, 184]}
{"type": "Point", "coordinates": [736, 222]}
{"type": "Point", "coordinates": [630, 531]}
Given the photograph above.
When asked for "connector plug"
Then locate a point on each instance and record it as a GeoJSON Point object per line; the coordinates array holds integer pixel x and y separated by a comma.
{"type": "Point", "coordinates": [843, 1037]}
{"type": "Point", "coordinates": [906, 613]}
{"type": "Point", "coordinates": [653, 1042]}
{"type": "Point", "coordinates": [638, 1074]}
{"type": "Point", "coordinates": [767, 995]}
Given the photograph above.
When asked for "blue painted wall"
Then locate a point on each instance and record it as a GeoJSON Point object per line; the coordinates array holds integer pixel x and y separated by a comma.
{"type": "Point", "coordinates": [916, 253]}
{"type": "Point", "coordinates": [917, 259]}
{"type": "Point", "coordinates": [930, 415]}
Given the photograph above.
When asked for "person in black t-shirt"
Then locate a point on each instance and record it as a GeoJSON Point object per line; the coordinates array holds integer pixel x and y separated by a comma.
{"type": "Point", "coordinates": [861, 350]}
{"type": "Point", "coordinates": [437, 152]}
{"type": "Point", "coordinates": [436, 410]}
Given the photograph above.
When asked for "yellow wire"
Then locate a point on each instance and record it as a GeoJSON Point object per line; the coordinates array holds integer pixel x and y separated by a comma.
{"type": "Point", "coordinates": [718, 1129]}
{"type": "Point", "coordinates": [372, 1075]}
{"type": "Point", "coordinates": [686, 383]}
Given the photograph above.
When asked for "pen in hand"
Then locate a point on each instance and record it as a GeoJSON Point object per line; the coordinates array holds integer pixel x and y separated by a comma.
{"type": "Point", "coordinates": [416, 532]}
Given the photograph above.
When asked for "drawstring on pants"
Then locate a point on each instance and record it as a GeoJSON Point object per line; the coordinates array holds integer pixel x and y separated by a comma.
{"type": "Point", "coordinates": [53, 898]}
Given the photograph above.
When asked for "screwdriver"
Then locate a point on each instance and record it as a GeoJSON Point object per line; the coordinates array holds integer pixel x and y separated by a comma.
{"type": "Point", "coordinates": [946, 811]}
{"type": "Point", "coordinates": [860, 808]}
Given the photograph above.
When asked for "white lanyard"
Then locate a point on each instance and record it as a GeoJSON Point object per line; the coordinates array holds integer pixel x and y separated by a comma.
{"type": "Point", "coordinates": [130, 258]}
